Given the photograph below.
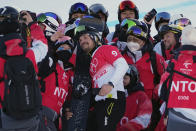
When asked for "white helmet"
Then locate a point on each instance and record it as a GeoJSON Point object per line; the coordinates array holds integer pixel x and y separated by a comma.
{"type": "Point", "coordinates": [180, 20]}
{"type": "Point", "coordinates": [50, 20]}
{"type": "Point", "coordinates": [52, 25]}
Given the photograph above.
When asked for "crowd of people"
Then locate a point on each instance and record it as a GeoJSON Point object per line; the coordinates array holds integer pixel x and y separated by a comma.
{"type": "Point", "coordinates": [128, 79]}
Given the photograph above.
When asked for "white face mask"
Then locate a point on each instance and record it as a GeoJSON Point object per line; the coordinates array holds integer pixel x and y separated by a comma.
{"type": "Point", "coordinates": [133, 46]}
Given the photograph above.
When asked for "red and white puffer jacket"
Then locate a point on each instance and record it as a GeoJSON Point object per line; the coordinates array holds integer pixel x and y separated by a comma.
{"type": "Point", "coordinates": [138, 112]}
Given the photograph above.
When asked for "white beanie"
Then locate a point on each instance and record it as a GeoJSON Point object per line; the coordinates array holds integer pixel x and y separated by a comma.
{"type": "Point", "coordinates": [189, 35]}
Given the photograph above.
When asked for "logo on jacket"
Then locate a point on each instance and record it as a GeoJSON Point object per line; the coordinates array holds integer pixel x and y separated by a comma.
{"type": "Point", "coordinates": [64, 78]}
{"type": "Point", "coordinates": [187, 64]}
{"type": "Point", "coordinates": [187, 68]}
{"type": "Point", "coordinates": [94, 64]}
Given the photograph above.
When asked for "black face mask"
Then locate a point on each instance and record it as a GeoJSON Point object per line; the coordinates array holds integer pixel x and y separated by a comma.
{"type": "Point", "coordinates": [63, 56]}
{"type": "Point", "coordinates": [6, 27]}
{"type": "Point", "coordinates": [122, 36]}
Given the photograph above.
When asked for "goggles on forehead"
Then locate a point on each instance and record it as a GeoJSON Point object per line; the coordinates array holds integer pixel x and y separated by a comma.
{"type": "Point", "coordinates": [100, 9]}
{"type": "Point", "coordinates": [83, 29]}
{"type": "Point", "coordinates": [126, 4]}
{"type": "Point", "coordinates": [127, 23]}
{"type": "Point", "coordinates": [172, 28]}
{"type": "Point", "coordinates": [182, 22]}
{"type": "Point", "coordinates": [43, 16]}
{"type": "Point", "coordinates": [162, 16]}
{"type": "Point", "coordinates": [137, 31]}
{"type": "Point", "coordinates": [79, 29]}
{"type": "Point", "coordinates": [79, 7]}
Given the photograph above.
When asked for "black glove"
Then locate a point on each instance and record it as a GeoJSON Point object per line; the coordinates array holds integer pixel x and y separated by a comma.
{"type": "Point", "coordinates": [122, 36]}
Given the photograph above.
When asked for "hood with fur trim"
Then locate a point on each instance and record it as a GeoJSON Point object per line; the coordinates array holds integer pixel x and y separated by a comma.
{"type": "Point", "coordinates": [189, 35]}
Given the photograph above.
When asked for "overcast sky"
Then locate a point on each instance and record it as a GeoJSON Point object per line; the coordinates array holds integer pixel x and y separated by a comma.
{"type": "Point", "coordinates": [61, 7]}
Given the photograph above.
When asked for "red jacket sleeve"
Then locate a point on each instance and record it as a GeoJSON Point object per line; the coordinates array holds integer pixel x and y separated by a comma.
{"type": "Point", "coordinates": [37, 33]}
{"type": "Point", "coordinates": [161, 64]}
{"type": "Point", "coordinates": [142, 120]}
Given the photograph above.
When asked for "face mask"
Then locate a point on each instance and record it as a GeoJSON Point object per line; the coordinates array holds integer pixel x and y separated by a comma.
{"type": "Point", "coordinates": [133, 46]}
{"type": "Point", "coordinates": [6, 27]}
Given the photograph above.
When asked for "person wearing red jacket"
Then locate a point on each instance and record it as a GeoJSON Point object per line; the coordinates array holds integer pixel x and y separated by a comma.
{"type": "Point", "coordinates": [170, 41]}
{"type": "Point", "coordinates": [9, 26]}
{"type": "Point", "coordinates": [177, 86]}
{"type": "Point", "coordinates": [138, 105]}
{"type": "Point", "coordinates": [149, 64]}
{"type": "Point", "coordinates": [138, 53]}
{"type": "Point", "coordinates": [107, 68]}
{"type": "Point", "coordinates": [54, 71]}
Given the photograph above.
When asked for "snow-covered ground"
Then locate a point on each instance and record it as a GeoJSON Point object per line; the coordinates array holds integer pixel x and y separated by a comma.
{"type": "Point", "coordinates": [61, 7]}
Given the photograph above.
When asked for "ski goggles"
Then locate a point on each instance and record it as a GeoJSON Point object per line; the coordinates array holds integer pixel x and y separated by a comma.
{"type": "Point", "coordinates": [87, 16]}
{"type": "Point", "coordinates": [127, 23]}
{"type": "Point", "coordinates": [43, 16]}
{"type": "Point", "coordinates": [83, 29]}
{"type": "Point", "coordinates": [100, 9]}
{"type": "Point", "coordinates": [126, 5]}
{"type": "Point", "coordinates": [79, 29]}
{"type": "Point", "coordinates": [162, 16]}
{"type": "Point", "coordinates": [72, 26]}
{"type": "Point", "coordinates": [79, 7]}
{"type": "Point", "coordinates": [182, 22]}
{"type": "Point", "coordinates": [173, 28]}
{"type": "Point", "coordinates": [137, 31]}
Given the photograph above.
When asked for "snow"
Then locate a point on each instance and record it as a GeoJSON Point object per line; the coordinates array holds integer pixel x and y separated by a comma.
{"type": "Point", "coordinates": [61, 7]}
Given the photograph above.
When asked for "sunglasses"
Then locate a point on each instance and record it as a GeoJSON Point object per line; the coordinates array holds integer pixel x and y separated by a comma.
{"type": "Point", "coordinates": [79, 7]}
{"type": "Point", "coordinates": [137, 31]}
{"type": "Point", "coordinates": [127, 23]}
{"type": "Point", "coordinates": [126, 4]}
{"type": "Point", "coordinates": [182, 22]}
